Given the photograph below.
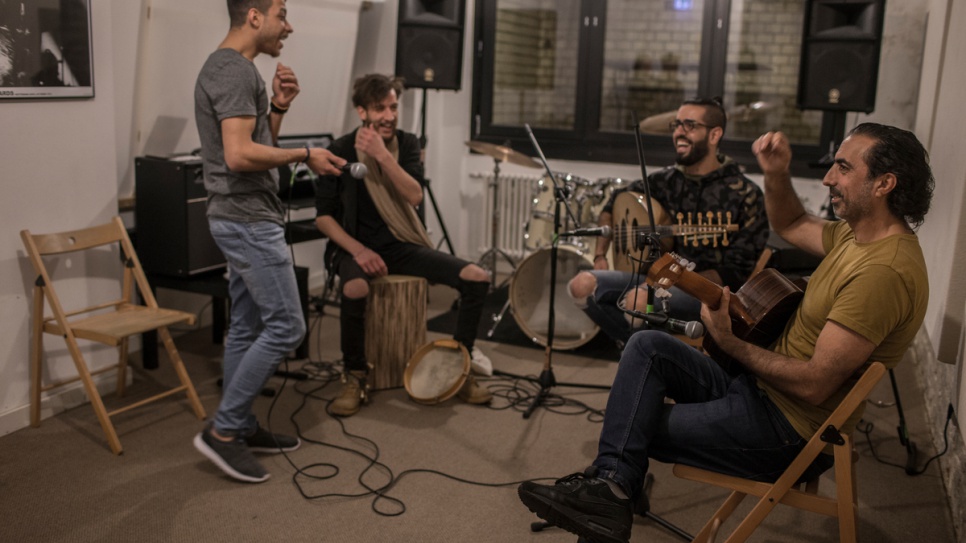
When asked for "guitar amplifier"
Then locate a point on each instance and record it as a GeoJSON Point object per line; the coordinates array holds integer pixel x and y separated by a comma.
{"type": "Point", "coordinates": [170, 218]}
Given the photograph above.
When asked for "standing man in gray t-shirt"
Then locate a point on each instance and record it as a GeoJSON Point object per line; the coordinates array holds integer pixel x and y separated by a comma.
{"type": "Point", "coordinates": [238, 127]}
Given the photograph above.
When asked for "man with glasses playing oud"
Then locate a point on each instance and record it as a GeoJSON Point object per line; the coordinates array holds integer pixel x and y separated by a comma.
{"type": "Point", "coordinates": [703, 181]}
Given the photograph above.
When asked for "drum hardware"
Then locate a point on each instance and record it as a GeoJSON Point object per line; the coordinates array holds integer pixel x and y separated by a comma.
{"type": "Point", "coordinates": [499, 153]}
{"type": "Point", "coordinates": [547, 379]}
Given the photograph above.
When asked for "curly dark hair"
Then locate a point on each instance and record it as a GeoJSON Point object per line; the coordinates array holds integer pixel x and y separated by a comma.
{"type": "Point", "coordinates": [372, 88]}
{"type": "Point", "coordinates": [899, 152]}
{"type": "Point", "coordinates": [714, 111]}
{"type": "Point", "coordinates": [238, 10]}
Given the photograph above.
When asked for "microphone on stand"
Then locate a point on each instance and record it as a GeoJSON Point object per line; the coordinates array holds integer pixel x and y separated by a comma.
{"type": "Point", "coordinates": [357, 170]}
{"type": "Point", "coordinates": [691, 329]}
{"type": "Point", "coordinates": [599, 231]}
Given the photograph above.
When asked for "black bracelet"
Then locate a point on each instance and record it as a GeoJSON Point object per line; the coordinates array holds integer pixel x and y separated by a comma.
{"type": "Point", "coordinates": [276, 109]}
{"type": "Point", "coordinates": [308, 154]}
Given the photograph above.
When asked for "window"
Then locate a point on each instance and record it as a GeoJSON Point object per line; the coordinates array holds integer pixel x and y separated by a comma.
{"type": "Point", "coordinates": [580, 72]}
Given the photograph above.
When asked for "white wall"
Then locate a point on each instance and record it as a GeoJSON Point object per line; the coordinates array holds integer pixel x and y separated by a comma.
{"type": "Point", "coordinates": [59, 170]}
{"type": "Point", "coordinates": [67, 161]}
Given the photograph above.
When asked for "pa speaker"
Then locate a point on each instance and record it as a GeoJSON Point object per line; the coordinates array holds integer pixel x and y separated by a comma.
{"type": "Point", "coordinates": [429, 43]}
{"type": "Point", "coordinates": [839, 65]}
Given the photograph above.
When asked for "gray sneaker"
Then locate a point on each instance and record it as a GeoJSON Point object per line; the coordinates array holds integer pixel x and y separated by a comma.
{"type": "Point", "coordinates": [233, 457]}
{"type": "Point", "coordinates": [263, 441]}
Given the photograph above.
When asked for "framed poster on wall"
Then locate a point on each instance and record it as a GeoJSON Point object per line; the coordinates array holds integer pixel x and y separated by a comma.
{"type": "Point", "coordinates": [45, 49]}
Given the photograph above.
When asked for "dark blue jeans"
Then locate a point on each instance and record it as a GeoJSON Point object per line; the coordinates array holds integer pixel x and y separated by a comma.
{"type": "Point", "coordinates": [611, 284]}
{"type": "Point", "coordinates": [719, 423]}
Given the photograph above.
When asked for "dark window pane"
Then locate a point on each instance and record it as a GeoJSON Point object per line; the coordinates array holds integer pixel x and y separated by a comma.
{"type": "Point", "coordinates": [652, 56]}
{"type": "Point", "coordinates": [535, 64]}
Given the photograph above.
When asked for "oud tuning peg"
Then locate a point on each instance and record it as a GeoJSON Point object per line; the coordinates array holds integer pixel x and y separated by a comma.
{"type": "Point", "coordinates": [661, 292]}
{"type": "Point", "coordinates": [724, 239]}
{"type": "Point", "coordinates": [691, 266]}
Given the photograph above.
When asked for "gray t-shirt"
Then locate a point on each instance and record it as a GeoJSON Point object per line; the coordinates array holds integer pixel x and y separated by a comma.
{"type": "Point", "coordinates": [229, 85]}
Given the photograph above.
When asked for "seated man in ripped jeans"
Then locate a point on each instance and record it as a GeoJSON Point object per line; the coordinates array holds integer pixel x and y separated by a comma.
{"type": "Point", "coordinates": [702, 181]}
{"type": "Point", "coordinates": [374, 230]}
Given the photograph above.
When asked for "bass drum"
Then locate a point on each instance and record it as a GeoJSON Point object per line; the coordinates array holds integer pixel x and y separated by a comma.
{"type": "Point", "coordinates": [530, 299]}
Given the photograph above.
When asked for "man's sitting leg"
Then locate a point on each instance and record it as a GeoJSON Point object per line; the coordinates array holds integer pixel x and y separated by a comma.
{"type": "Point", "coordinates": [352, 317]}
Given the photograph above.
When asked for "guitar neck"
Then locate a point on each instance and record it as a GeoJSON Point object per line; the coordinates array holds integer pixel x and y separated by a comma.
{"type": "Point", "coordinates": [702, 288]}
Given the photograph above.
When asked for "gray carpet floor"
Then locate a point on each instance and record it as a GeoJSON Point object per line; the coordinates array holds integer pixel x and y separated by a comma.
{"type": "Point", "coordinates": [454, 465]}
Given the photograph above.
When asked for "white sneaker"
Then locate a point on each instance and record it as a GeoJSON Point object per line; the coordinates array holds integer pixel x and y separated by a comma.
{"type": "Point", "coordinates": [480, 363]}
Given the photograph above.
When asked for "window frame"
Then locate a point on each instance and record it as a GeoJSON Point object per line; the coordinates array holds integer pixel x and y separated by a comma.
{"type": "Point", "coordinates": [592, 145]}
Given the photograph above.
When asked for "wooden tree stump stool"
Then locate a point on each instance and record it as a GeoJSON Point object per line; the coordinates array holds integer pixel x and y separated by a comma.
{"type": "Point", "coordinates": [395, 327]}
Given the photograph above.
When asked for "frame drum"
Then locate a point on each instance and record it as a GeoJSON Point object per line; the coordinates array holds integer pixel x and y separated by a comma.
{"type": "Point", "coordinates": [530, 299]}
{"type": "Point", "coordinates": [437, 371]}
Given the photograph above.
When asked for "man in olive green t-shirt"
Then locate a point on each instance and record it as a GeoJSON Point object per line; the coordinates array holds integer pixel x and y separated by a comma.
{"type": "Point", "coordinates": [865, 301]}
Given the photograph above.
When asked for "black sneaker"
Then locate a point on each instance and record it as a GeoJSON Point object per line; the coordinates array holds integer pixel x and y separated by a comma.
{"type": "Point", "coordinates": [263, 441]}
{"type": "Point", "coordinates": [233, 457]}
{"type": "Point", "coordinates": [582, 505]}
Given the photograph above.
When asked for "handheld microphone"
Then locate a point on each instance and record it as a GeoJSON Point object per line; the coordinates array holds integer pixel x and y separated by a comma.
{"type": "Point", "coordinates": [357, 170]}
{"type": "Point", "coordinates": [600, 231]}
{"type": "Point", "coordinates": [691, 329]}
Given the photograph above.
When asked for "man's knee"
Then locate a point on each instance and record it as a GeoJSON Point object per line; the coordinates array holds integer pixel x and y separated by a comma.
{"type": "Point", "coordinates": [474, 273]}
{"type": "Point", "coordinates": [355, 289]}
{"type": "Point", "coordinates": [582, 286]}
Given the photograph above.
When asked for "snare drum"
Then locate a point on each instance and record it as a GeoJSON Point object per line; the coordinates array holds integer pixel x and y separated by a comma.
{"type": "Point", "coordinates": [530, 299]}
{"type": "Point", "coordinates": [539, 227]}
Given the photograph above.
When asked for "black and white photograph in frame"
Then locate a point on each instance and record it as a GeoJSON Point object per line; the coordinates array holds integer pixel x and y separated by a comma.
{"type": "Point", "coordinates": [45, 49]}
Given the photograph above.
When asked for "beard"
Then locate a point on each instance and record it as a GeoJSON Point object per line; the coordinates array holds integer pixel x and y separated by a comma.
{"type": "Point", "coordinates": [699, 150]}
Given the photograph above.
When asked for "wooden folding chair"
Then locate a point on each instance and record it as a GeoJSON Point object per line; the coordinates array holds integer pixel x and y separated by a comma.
{"type": "Point", "coordinates": [843, 505]}
{"type": "Point", "coordinates": [110, 323]}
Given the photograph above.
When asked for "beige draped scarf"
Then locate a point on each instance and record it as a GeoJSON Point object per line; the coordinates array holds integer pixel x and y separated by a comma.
{"type": "Point", "coordinates": [399, 215]}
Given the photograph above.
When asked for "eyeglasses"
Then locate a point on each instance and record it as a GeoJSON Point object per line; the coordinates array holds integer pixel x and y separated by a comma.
{"type": "Point", "coordinates": [688, 125]}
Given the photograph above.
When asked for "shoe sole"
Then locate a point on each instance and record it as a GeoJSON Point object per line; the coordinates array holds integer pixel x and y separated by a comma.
{"type": "Point", "coordinates": [210, 453]}
{"type": "Point", "coordinates": [562, 517]}
{"type": "Point", "coordinates": [275, 449]}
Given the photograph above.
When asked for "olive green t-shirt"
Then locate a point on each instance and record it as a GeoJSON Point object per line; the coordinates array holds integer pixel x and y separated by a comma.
{"type": "Point", "coordinates": [878, 290]}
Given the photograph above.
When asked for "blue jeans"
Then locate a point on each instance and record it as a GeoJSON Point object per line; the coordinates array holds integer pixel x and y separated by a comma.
{"type": "Point", "coordinates": [266, 315]}
{"type": "Point", "coordinates": [719, 423]}
{"type": "Point", "coordinates": [602, 305]}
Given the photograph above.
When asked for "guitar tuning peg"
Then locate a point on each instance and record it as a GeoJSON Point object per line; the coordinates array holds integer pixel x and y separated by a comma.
{"type": "Point", "coordinates": [690, 266]}
{"type": "Point", "coordinates": [661, 292]}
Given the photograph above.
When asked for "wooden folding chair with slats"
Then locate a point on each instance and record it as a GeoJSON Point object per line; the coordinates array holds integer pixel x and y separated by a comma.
{"type": "Point", "coordinates": [843, 505]}
{"type": "Point", "coordinates": [110, 323]}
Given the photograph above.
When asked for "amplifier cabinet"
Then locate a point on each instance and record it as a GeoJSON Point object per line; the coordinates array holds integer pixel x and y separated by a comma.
{"type": "Point", "coordinates": [171, 227]}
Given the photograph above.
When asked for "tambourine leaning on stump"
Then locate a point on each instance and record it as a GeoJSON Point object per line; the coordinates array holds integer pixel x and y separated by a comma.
{"type": "Point", "coordinates": [437, 371]}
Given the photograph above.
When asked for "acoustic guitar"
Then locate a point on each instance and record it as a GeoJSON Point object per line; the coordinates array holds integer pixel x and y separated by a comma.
{"type": "Point", "coordinates": [631, 223]}
{"type": "Point", "coordinates": [759, 309]}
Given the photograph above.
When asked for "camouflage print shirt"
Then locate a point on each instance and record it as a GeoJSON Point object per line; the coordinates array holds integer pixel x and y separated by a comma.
{"type": "Point", "coordinates": [724, 190]}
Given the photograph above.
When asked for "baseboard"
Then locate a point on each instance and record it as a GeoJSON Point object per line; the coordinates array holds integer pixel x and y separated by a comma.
{"type": "Point", "coordinates": [59, 400]}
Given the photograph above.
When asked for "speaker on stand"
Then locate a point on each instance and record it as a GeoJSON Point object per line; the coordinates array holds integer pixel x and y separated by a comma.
{"type": "Point", "coordinates": [839, 65]}
{"type": "Point", "coordinates": [840, 55]}
{"type": "Point", "coordinates": [429, 43]}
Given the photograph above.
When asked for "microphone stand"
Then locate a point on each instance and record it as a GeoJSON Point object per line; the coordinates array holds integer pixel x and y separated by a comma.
{"type": "Point", "coordinates": [547, 379]}
{"type": "Point", "coordinates": [651, 238]}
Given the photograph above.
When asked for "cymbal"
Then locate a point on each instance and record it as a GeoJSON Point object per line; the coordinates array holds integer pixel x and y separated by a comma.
{"type": "Point", "coordinates": [503, 153]}
{"type": "Point", "coordinates": [658, 124]}
{"type": "Point", "coordinates": [749, 112]}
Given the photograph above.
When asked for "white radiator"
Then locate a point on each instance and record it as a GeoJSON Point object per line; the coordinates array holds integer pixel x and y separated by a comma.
{"type": "Point", "coordinates": [514, 202]}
